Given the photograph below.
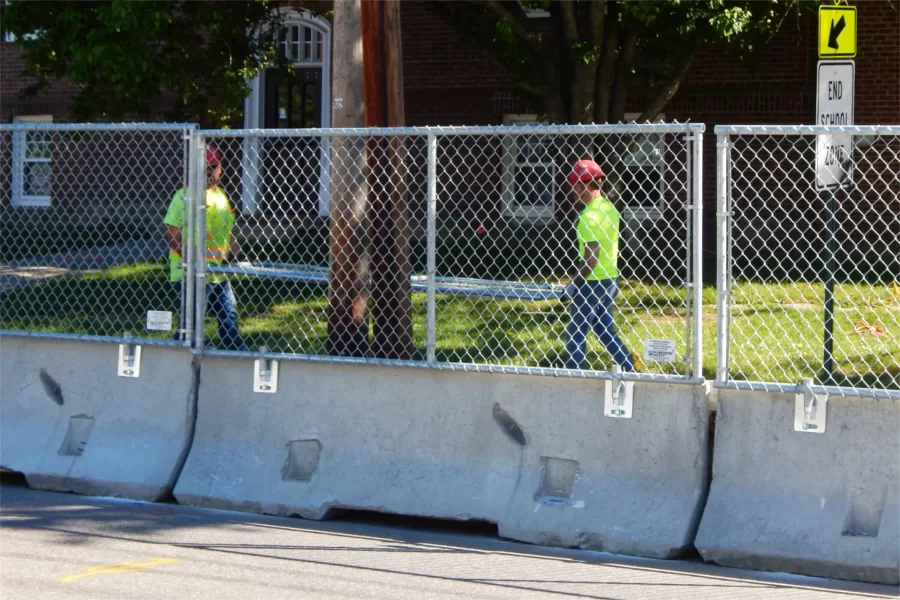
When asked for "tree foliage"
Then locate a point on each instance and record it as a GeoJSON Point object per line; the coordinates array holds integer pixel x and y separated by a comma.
{"type": "Point", "coordinates": [582, 61]}
{"type": "Point", "coordinates": [126, 56]}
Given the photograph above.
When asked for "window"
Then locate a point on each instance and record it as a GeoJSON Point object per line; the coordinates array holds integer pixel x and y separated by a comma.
{"type": "Point", "coordinates": [32, 164]}
{"type": "Point", "coordinates": [529, 183]}
{"type": "Point", "coordinates": [642, 177]}
{"type": "Point", "coordinates": [302, 44]}
{"type": "Point", "coordinates": [537, 13]}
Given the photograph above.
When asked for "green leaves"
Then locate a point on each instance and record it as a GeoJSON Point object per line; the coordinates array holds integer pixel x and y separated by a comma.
{"type": "Point", "coordinates": [175, 60]}
{"type": "Point", "coordinates": [668, 33]}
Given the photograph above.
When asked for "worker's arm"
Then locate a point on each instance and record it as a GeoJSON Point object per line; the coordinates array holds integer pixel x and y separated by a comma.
{"type": "Point", "coordinates": [173, 236]}
{"type": "Point", "coordinates": [591, 251]}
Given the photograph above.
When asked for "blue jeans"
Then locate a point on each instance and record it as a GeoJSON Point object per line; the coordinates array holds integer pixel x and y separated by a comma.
{"type": "Point", "coordinates": [592, 307]}
{"type": "Point", "coordinates": [221, 303]}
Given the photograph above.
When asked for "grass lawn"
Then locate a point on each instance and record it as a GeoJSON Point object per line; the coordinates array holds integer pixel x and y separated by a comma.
{"type": "Point", "coordinates": [776, 328]}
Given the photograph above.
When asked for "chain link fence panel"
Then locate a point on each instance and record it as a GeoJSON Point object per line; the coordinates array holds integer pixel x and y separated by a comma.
{"type": "Point", "coordinates": [330, 235]}
{"type": "Point", "coordinates": [82, 242]}
{"type": "Point", "coordinates": [455, 245]}
{"type": "Point", "coordinates": [809, 251]}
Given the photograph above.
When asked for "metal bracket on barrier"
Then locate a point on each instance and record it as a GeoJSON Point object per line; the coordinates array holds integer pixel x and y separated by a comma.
{"type": "Point", "coordinates": [129, 358]}
{"type": "Point", "coordinates": [617, 400]}
{"type": "Point", "coordinates": [265, 374]}
{"type": "Point", "coordinates": [810, 409]}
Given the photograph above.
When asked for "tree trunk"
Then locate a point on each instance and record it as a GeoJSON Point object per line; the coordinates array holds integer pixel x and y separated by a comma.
{"type": "Point", "coordinates": [609, 53]}
{"type": "Point", "coordinates": [347, 306]}
{"type": "Point", "coordinates": [619, 99]}
{"type": "Point", "coordinates": [388, 233]}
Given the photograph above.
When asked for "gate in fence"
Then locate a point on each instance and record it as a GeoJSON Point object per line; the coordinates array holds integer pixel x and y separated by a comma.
{"type": "Point", "coordinates": [809, 259]}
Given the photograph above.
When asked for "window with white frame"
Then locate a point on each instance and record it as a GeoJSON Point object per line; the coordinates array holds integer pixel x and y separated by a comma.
{"type": "Point", "coordinates": [32, 164]}
{"type": "Point", "coordinates": [642, 175]}
{"type": "Point", "coordinates": [529, 183]}
{"type": "Point", "coordinates": [301, 43]}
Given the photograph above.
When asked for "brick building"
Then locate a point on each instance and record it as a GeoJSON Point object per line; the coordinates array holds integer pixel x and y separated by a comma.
{"type": "Point", "coordinates": [449, 81]}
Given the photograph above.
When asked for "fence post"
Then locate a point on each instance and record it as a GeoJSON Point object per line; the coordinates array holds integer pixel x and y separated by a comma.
{"type": "Point", "coordinates": [431, 242]}
{"type": "Point", "coordinates": [198, 193]}
{"type": "Point", "coordinates": [698, 250]}
{"type": "Point", "coordinates": [186, 323]}
{"type": "Point", "coordinates": [723, 252]}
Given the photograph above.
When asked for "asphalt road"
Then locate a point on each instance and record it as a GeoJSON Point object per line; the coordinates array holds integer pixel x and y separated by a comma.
{"type": "Point", "coordinates": [75, 547]}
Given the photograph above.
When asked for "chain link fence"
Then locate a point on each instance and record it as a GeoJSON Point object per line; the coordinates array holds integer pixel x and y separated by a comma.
{"type": "Point", "coordinates": [809, 256]}
{"type": "Point", "coordinates": [82, 246]}
{"type": "Point", "coordinates": [455, 245]}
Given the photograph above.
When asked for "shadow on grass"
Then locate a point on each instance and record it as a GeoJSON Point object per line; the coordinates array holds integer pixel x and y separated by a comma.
{"type": "Point", "coordinates": [103, 304]}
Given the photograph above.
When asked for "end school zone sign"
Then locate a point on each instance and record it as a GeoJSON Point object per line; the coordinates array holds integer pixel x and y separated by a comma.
{"type": "Point", "coordinates": [834, 106]}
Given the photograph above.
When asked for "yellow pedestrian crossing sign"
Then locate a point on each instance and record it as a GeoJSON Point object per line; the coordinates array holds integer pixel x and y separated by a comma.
{"type": "Point", "coordinates": [837, 31]}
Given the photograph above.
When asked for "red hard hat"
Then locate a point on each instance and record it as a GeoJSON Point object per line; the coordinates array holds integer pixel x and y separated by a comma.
{"type": "Point", "coordinates": [213, 156]}
{"type": "Point", "coordinates": [585, 170]}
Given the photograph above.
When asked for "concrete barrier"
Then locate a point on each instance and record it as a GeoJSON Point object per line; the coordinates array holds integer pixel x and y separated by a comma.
{"type": "Point", "coordinates": [533, 454]}
{"type": "Point", "coordinates": [822, 504]}
{"type": "Point", "coordinates": [68, 422]}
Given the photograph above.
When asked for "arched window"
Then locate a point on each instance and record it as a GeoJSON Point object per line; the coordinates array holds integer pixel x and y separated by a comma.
{"type": "Point", "coordinates": [276, 101]}
{"type": "Point", "coordinates": [300, 99]}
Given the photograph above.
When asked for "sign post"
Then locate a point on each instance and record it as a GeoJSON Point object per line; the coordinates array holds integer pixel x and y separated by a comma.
{"type": "Point", "coordinates": [834, 152]}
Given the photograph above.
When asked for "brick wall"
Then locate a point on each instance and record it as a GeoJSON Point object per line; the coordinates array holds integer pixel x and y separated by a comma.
{"type": "Point", "coordinates": [54, 102]}
{"type": "Point", "coordinates": [449, 80]}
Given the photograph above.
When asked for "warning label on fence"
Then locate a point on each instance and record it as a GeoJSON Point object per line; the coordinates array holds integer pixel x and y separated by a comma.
{"type": "Point", "coordinates": [659, 350]}
{"type": "Point", "coordinates": [159, 320]}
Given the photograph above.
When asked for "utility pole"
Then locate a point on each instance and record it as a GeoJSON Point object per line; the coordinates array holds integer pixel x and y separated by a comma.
{"type": "Point", "coordinates": [347, 308]}
{"type": "Point", "coordinates": [388, 193]}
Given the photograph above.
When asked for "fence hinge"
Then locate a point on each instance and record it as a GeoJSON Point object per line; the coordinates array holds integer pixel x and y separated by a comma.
{"type": "Point", "coordinates": [129, 358]}
{"type": "Point", "coordinates": [618, 396]}
{"type": "Point", "coordinates": [810, 409]}
{"type": "Point", "coordinates": [690, 137]}
{"type": "Point", "coordinates": [265, 374]}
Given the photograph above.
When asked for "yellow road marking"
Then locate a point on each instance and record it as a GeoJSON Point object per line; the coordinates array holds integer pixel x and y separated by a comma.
{"type": "Point", "coordinates": [119, 568]}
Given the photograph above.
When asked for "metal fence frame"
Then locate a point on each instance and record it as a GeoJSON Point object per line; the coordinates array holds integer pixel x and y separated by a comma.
{"type": "Point", "coordinates": [724, 265]}
{"type": "Point", "coordinates": [196, 268]}
{"type": "Point", "coordinates": [188, 130]}
{"type": "Point", "coordinates": [693, 133]}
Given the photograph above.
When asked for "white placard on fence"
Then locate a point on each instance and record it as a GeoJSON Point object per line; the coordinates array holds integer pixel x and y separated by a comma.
{"type": "Point", "coordinates": [159, 320]}
{"type": "Point", "coordinates": [659, 350]}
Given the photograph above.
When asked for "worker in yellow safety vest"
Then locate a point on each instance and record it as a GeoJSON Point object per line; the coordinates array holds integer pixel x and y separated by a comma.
{"type": "Point", "coordinates": [594, 288]}
{"type": "Point", "coordinates": [220, 247]}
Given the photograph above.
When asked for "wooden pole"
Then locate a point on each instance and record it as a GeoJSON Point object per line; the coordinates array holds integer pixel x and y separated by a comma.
{"type": "Point", "coordinates": [347, 314]}
{"type": "Point", "coordinates": [383, 85]}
